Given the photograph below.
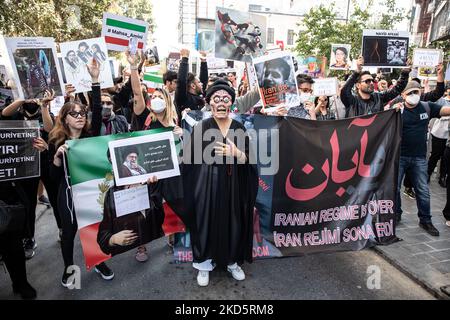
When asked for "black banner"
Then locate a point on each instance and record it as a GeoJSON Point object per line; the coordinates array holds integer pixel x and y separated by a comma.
{"type": "Point", "coordinates": [323, 185]}
{"type": "Point", "coordinates": [18, 158]}
{"type": "Point", "coordinates": [336, 184]}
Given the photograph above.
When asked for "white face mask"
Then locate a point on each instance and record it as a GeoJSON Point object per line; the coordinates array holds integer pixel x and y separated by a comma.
{"type": "Point", "coordinates": [304, 97]}
{"type": "Point", "coordinates": [158, 105]}
{"type": "Point", "coordinates": [413, 99]}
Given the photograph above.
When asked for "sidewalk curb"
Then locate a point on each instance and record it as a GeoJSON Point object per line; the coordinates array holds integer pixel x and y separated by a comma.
{"type": "Point", "coordinates": [434, 291]}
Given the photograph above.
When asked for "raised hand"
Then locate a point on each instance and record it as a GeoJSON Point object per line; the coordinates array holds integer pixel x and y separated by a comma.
{"type": "Point", "coordinates": [94, 70]}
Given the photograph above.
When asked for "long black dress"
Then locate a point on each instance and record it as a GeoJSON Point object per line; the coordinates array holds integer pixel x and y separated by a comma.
{"type": "Point", "coordinates": [220, 200]}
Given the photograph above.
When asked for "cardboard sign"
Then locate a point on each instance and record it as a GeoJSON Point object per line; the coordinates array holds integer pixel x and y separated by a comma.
{"type": "Point", "coordinates": [427, 57]}
{"type": "Point", "coordinates": [33, 65]}
{"type": "Point", "coordinates": [135, 160]}
{"type": "Point", "coordinates": [384, 48]}
{"type": "Point", "coordinates": [118, 30]}
{"type": "Point", "coordinates": [325, 87]}
{"type": "Point", "coordinates": [76, 55]}
{"type": "Point", "coordinates": [18, 158]}
{"type": "Point", "coordinates": [131, 200]}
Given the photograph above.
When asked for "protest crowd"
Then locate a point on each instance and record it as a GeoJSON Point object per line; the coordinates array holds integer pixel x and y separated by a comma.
{"type": "Point", "coordinates": [219, 197]}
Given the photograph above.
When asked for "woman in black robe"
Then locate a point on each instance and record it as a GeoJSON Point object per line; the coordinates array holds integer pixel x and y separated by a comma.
{"type": "Point", "coordinates": [219, 189]}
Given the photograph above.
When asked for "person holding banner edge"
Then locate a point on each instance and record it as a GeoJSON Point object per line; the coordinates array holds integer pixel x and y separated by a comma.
{"type": "Point", "coordinates": [415, 116]}
{"type": "Point", "coordinates": [72, 123]}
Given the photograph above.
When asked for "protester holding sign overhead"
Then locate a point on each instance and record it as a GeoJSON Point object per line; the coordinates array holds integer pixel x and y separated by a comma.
{"type": "Point", "coordinates": [72, 123]}
{"type": "Point", "coordinates": [366, 100]}
{"type": "Point", "coordinates": [189, 93]}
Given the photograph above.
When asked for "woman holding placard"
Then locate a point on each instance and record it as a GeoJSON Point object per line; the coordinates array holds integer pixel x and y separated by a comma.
{"type": "Point", "coordinates": [72, 123]}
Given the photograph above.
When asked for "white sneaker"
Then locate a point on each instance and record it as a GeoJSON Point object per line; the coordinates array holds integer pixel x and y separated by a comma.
{"type": "Point", "coordinates": [447, 223]}
{"type": "Point", "coordinates": [237, 273]}
{"type": "Point", "coordinates": [203, 278]}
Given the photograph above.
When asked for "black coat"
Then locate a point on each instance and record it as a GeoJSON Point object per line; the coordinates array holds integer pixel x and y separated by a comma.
{"type": "Point", "coordinates": [147, 228]}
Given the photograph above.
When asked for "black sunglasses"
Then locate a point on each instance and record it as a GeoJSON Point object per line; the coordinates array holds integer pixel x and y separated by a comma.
{"type": "Point", "coordinates": [75, 114]}
{"type": "Point", "coordinates": [368, 81]}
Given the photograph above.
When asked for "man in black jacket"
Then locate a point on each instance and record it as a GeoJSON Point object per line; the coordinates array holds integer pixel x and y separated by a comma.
{"type": "Point", "coordinates": [189, 92]}
{"type": "Point", "coordinates": [367, 101]}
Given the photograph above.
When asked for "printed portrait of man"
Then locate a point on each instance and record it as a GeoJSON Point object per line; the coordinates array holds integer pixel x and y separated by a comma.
{"type": "Point", "coordinates": [130, 166]}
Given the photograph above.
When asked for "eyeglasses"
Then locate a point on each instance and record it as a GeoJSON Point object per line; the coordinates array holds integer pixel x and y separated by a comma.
{"type": "Point", "coordinates": [305, 90]}
{"type": "Point", "coordinates": [108, 103]}
{"type": "Point", "coordinates": [367, 81]}
{"type": "Point", "coordinates": [413, 92]}
{"type": "Point", "coordinates": [75, 114]}
{"type": "Point", "coordinates": [225, 99]}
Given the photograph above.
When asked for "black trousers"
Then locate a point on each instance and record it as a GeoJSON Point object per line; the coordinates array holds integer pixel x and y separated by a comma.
{"type": "Point", "coordinates": [446, 210]}
{"type": "Point", "coordinates": [69, 223]}
{"type": "Point", "coordinates": [11, 248]}
{"type": "Point", "coordinates": [30, 187]}
{"type": "Point", "coordinates": [437, 152]}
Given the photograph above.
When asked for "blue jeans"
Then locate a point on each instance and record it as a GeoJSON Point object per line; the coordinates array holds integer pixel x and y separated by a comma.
{"type": "Point", "coordinates": [417, 167]}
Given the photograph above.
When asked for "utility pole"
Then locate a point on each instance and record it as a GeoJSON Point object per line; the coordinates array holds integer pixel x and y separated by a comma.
{"type": "Point", "coordinates": [348, 11]}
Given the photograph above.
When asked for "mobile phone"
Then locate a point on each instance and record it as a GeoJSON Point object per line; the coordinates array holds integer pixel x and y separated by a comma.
{"type": "Point", "coordinates": [312, 99]}
{"type": "Point", "coordinates": [132, 45]}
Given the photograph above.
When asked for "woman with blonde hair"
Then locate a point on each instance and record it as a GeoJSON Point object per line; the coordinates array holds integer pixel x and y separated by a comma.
{"type": "Point", "coordinates": [161, 114]}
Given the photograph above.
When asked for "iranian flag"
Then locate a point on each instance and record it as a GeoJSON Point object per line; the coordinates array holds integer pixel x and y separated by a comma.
{"type": "Point", "coordinates": [153, 80]}
{"type": "Point", "coordinates": [117, 31]}
{"type": "Point", "coordinates": [90, 177]}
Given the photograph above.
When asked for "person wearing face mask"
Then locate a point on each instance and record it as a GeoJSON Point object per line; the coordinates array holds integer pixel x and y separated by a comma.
{"type": "Point", "coordinates": [111, 123]}
{"type": "Point", "coordinates": [162, 114]}
{"type": "Point", "coordinates": [366, 100]}
{"type": "Point", "coordinates": [415, 117]}
{"type": "Point", "coordinates": [306, 109]}
{"type": "Point", "coordinates": [37, 110]}
{"type": "Point", "coordinates": [221, 231]}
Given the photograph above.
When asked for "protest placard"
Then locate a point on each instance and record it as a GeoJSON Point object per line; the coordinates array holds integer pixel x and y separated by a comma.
{"type": "Point", "coordinates": [325, 87]}
{"type": "Point", "coordinates": [33, 65]}
{"type": "Point", "coordinates": [137, 159]}
{"type": "Point", "coordinates": [118, 30]}
{"type": "Point", "coordinates": [427, 57]}
{"type": "Point", "coordinates": [239, 35]}
{"type": "Point", "coordinates": [76, 55]}
{"type": "Point", "coordinates": [384, 48]}
{"type": "Point", "coordinates": [131, 200]}
{"type": "Point", "coordinates": [18, 158]}
{"type": "Point", "coordinates": [340, 57]}
{"type": "Point", "coordinates": [276, 79]}
{"type": "Point", "coordinates": [312, 66]}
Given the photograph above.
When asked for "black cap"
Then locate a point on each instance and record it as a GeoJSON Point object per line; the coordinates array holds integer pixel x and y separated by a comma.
{"type": "Point", "coordinates": [220, 84]}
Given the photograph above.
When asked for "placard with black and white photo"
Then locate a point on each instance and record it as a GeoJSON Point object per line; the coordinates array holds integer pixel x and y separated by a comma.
{"type": "Point", "coordinates": [384, 48]}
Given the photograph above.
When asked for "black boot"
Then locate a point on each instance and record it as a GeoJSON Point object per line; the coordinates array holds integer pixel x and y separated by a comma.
{"type": "Point", "coordinates": [25, 290]}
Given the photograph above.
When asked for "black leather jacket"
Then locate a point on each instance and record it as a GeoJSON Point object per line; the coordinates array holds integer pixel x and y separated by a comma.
{"type": "Point", "coordinates": [357, 106]}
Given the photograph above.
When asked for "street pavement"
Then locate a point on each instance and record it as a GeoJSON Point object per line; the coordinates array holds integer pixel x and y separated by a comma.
{"type": "Point", "coordinates": [341, 276]}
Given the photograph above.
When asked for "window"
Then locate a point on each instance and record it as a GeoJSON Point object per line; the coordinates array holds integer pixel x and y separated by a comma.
{"type": "Point", "coordinates": [290, 37]}
{"type": "Point", "coordinates": [270, 35]}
